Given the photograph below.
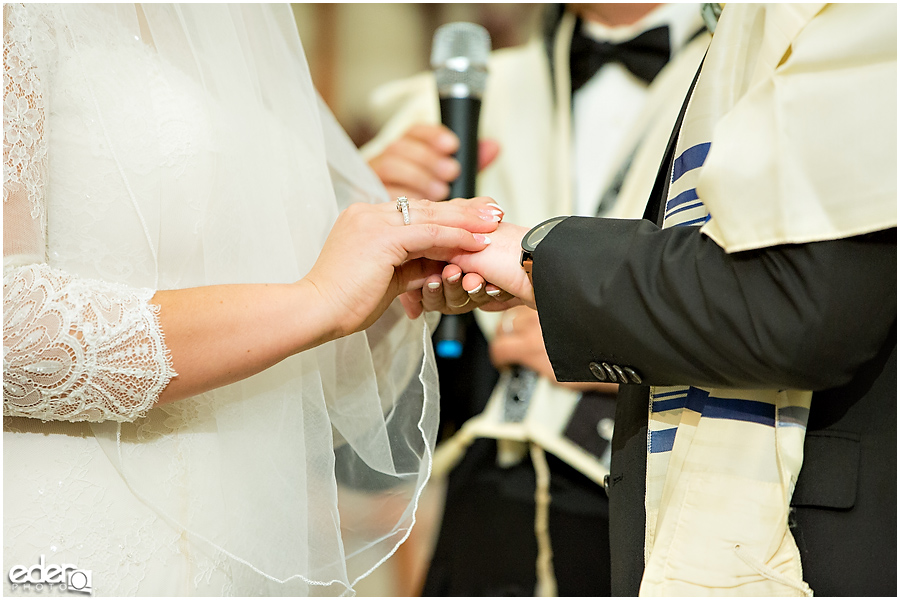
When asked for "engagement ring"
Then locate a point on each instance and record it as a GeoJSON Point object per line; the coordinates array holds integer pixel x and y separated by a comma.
{"type": "Point", "coordinates": [403, 206]}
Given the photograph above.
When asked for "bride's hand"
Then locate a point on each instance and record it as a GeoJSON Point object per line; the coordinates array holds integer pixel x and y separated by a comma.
{"type": "Point", "coordinates": [370, 255]}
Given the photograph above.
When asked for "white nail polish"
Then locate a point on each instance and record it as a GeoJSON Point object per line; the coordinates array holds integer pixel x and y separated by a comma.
{"type": "Point", "coordinates": [454, 278]}
{"type": "Point", "coordinates": [434, 285]}
{"type": "Point", "coordinates": [497, 206]}
{"type": "Point", "coordinates": [476, 290]}
{"type": "Point", "coordinates": [493, 292]}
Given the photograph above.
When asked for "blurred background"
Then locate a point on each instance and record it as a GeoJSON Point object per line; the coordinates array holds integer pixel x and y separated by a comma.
{"type": "Point", "coordinates": [352, 49]}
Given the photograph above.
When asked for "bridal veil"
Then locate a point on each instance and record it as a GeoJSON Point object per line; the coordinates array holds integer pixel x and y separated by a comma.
{"type": "Point", "coordinates": [187, 146]}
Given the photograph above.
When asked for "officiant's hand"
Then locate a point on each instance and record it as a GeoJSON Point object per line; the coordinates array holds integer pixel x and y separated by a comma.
{"type": "Point", "coordinates": [420, 164]}
{"type": "Point", "coordinates": [370, 256]}
{"type": "Point", "coordinates": [519, 341]}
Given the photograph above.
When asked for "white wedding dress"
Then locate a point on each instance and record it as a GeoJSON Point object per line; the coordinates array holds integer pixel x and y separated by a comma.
{"type": "Point", "coordinates": [166, 146]}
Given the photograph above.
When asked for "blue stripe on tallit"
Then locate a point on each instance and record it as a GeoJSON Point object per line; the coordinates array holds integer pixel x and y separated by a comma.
{"type": "Point", "coordinates": [685, 196]}
{"type": "Point", "coordinates": [699, 221]}
{"type": "Point", "coordinates": [673, 404]}
{"type": "Point", "coordinates": [663, 406]}
{"type": "Point", "coordinates": [712, 407]}
{"type": "Point", "coordinates": [694, 399]}
{"type": "Point", "coordinates": [740, 410]}
{"type": "Point", "coordinates": [683, 208]}
{"type": "Point", "coordinates": [662, 440]}
{"type": "Point", "coordinates": [690, 159]}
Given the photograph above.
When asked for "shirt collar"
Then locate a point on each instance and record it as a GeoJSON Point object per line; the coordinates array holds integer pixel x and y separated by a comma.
{"type": "Point", "coordinates": [683, 20]}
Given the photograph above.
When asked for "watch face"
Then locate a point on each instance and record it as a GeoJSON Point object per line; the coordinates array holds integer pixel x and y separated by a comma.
{"type": "Point", "coordinates": [533, 237]}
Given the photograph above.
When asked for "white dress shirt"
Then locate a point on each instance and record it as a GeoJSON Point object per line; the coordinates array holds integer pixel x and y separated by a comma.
{"type": "Point", "coordinates": [604, 109]}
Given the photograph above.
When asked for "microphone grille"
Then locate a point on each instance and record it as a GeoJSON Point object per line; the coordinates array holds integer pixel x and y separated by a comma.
{"type": "Point", "coordinates": [459, 56]}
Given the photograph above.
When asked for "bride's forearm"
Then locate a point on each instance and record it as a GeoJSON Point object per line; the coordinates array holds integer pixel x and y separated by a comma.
{"type": "Point", "coordinates": [221, 334]}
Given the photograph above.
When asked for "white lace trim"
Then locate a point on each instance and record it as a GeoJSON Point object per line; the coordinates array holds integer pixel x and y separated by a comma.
{"type": "Point", "coordinates": [79, 349]}
{"type": "Point", "coordinates": [24, 112]}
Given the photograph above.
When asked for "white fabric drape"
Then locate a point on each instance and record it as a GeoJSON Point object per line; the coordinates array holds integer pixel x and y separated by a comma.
{"type": "Point", "coordinates": [183, 145]}
{"type": "Point", "coordinates": [782, 168]}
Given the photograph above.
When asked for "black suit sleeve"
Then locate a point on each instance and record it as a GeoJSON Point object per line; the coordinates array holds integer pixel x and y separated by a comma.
{"type": "Point", "coordinates": [675, 307]}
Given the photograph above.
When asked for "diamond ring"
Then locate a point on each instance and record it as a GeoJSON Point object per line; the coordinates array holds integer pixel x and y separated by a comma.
{"type": "Point", "coordinates": [403, 206]}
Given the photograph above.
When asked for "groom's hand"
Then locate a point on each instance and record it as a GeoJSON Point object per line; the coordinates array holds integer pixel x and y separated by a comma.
{"type": "Point", "coordinates": [451, 292]}
{"type": "Point", "coordinates": [499, 262]}
{"type": "Point", "coordinates": [420, 163]}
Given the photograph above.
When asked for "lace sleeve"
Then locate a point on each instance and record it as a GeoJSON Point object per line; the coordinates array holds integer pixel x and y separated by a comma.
{"type": "Point", "coordinates": [24, 142]}
{"type": "Point", "coordinates": [79, 349]}
{"type": "Point", "coordinates": [73, 349]}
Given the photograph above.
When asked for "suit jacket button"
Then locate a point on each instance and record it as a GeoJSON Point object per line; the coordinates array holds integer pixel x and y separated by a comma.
{"type": "Point", "coordinates": [606, 483]}
{"type": "Point", "coordinates": [622, 377]}
{"type": "Point", "coordinates": [634, 376]}
{"type": "Point", "coordinates": [610, 372]}
{"type": "Point", "coordinates": [597, 371]}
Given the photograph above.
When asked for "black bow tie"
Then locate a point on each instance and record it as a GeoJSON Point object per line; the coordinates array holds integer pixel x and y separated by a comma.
{"type": "Point", "coordinates": [644, 55]}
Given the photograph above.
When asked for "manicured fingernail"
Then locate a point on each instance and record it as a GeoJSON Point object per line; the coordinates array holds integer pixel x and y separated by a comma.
{"type": "Point", "coordinates": [497, 206]}
{"type": "Point", "coordinates": [490, 217]}
{"type": "Point", "coordinates": [454, 278]}
{"type": "Point", "coordinates": [493, 292]}
{"type": "Point", "coordinates": [476, 290]}
{"type": "Point", "coordinates": [480, 237]}
{"type": "Point", "coordinates": [434, 285]}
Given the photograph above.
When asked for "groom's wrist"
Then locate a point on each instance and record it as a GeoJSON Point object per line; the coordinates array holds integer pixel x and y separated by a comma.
{"type": "Point", "coordinates": [530, 242]}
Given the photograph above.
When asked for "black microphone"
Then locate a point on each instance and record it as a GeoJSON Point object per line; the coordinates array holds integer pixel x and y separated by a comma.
{"type": "Point", "coordinates": [459, 55]}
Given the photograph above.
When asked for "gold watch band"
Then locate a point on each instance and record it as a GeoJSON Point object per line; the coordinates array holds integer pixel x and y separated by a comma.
{"type": "Point", "coordinates": [527, 264]}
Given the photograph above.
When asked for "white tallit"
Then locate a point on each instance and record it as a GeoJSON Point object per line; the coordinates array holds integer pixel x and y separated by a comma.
{"type": "Point", "coordinates": [790, 137]}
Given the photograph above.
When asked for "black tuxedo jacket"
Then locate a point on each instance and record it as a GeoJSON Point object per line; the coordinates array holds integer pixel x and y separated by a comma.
{"type": "Point", "coordinates": [818, 316]}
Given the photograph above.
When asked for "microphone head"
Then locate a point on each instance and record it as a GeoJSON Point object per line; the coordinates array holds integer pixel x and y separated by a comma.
{"type": "Point", "coordinates": [459, 55]}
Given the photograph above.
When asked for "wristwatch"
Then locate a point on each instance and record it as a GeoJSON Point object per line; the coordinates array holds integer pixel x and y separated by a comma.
{"type": "Point", "coordinates": [533, 238]}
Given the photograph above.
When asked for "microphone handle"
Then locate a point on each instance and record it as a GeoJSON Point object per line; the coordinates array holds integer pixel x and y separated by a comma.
{"type": "Point", "coordinates": [460, 115]}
